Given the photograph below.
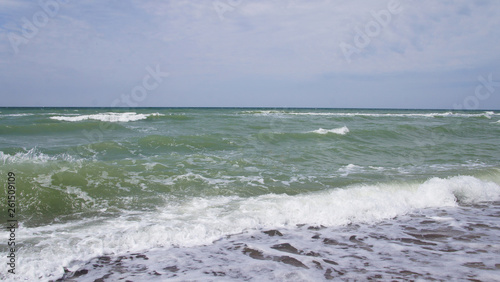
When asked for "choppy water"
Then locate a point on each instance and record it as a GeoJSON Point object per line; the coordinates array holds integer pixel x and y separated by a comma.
{"type": "Point", "coordinates": [187, 194]}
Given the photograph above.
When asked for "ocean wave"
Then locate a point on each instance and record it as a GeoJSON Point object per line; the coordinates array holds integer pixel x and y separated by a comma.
{"type": "Point", "coordinates": [350, 168]}
{"type": "Point", "coordinates": [194, 177]}
{"type": "Point", "coordinates": [33, 156]}
{"type": "Point", "coordinates": [365, 203]}
{"type": "Point", "coordinates": [429, 115]}
{"type": "Point", "coordinates": [109, 117]}
{"type": "Point", "coordinates": [16, 115]}
{"type": "Point", "coordinates": [55, 128]}
{"type": "Point", "coordinates": [487, 114]}
{"type": "Point", "coordinates": [201, 221]}
{"type": "Point", "coordinates": [341, 130]}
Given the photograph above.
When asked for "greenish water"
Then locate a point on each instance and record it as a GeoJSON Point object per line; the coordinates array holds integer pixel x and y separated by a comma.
{"type": "Point", "coordinates": [79, 168]}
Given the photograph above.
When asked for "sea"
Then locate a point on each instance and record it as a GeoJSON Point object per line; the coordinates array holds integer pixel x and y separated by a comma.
{"type": "Point", "coordinates": [249, 194]}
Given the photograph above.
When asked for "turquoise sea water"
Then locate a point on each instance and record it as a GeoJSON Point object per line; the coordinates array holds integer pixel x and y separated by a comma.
{"type": "Point", "coordinates": [105, 183]}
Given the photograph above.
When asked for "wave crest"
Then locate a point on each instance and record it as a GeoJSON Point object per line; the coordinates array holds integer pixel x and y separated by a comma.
{"type": "Point", "coordinates": [34, 156]}
{"type": "Point", "coordinates": [486, 114]}
{"type": "Point", "coordinates": [341, 130]}
{"type": "Point", "coordinates": [109, 117]}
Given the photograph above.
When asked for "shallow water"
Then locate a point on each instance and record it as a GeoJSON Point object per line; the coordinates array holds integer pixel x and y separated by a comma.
{"type": "Point", "coordinates": [454, 243]}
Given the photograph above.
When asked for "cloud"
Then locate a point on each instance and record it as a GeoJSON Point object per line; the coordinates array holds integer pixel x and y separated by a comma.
{"type": "Point", "coordinates": [13, 4]}
{"type": "Point", "coordinates": [95, 44]}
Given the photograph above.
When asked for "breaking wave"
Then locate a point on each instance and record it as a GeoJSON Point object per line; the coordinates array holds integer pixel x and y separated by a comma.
{"type": "Point", "coordinates": [109, 117]}
{"type": "Point", "coordinates": [341, 130]}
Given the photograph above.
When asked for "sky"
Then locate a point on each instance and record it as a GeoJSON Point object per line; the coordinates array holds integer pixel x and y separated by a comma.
{"type": "Point", "coordinates": [251, 53]}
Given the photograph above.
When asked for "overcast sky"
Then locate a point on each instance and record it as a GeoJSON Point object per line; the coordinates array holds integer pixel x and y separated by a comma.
{"type": "Point", "coordinates": [251, 53]}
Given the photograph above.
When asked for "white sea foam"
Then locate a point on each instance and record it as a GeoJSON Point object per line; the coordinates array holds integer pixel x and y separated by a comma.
{"type": "Point", "coordinates": [16, 115]}
{"type": "Point", "coordinates": [350, 168]}
{"type": "Point", "coordinates": [341, 130]}
{"type": "Point", "coordinates": [199, 221]}
{"type": "Point", "coordinates": [109, 117]}
{"type": "Point", "coordinates": [487, 114]}
{"type": "Point", "coordinates": [384, 252]}
{"type": "Point", "coordinates": [193, 176]}
{"type": "Point", "coordinates": [33, 155]}
{"type": "Point", "coordinates": [261, 112]}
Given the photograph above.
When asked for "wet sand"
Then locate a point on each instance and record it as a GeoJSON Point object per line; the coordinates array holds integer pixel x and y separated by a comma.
{"type": "Point", "coordinates": [456, 243]}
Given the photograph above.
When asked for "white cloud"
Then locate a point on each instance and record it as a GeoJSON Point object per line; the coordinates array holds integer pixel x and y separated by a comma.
{"type": "Point", "coordinates": [283, 39]}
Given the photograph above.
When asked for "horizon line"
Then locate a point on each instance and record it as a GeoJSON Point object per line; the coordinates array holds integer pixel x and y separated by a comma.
{"type": "Point", "coordinates": [231, 107]}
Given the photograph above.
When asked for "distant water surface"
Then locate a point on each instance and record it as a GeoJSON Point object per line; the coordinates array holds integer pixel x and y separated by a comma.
{"type": "Point", "coordinates": [252, 194]}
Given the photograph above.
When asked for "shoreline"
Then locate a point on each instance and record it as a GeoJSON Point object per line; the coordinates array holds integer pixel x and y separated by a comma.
{"type": "Point", "coordinates": [438, 243]}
